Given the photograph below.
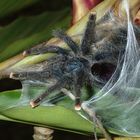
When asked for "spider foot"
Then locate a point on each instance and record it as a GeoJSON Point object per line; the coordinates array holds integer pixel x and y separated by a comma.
{"type": "Point", "coordinates": [14, 75]}
{"type": "Point", "coordinates": [26, 53]}
{"type": "Point", "coordinates": [77, 104]}
{"type": "Point", "coordinates": [34, 104]}
{"type": "Point", "coordinates": [17, 76]}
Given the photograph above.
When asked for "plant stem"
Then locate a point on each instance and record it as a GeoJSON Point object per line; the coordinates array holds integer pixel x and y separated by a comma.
{"type": "Point", "coordinates": [42, 133]}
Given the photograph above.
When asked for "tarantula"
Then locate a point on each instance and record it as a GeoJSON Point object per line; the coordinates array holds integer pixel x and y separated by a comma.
{"type": "Point", "coordinates": [81, 64]}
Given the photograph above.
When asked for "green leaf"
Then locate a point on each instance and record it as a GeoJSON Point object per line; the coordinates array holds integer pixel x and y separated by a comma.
{"type": "Point", "coordinates": [26, 32]}
{"type": "Point", "coordinates": [59, 117]}
{"type": "Point", "coordinates": [62, 116]}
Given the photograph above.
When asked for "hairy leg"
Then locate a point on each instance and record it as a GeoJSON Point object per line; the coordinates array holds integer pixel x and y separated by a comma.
{"type": "Point", "coordinates": [33, 76]}
{"type": "Point", "coordinates": [46, 49]}
{"type": "Point", "coordinates": [77, 97]}
{"type": "Point", "coordinates": [79, 78]}
{"type": "Point", "coordinates": [59, 84]}
{"type": "Point", "coordinates": [94, 79]}
{"type": "Point", "coordinates": [89, 35]}
{"type": "Point", "coordinates": [68, 93]}
{"type": "Point", "coordinates": [67, 39]}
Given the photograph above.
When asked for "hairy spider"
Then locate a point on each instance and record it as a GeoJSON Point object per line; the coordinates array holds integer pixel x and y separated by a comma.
{"type": "Point", "coordinates": [80, 65]}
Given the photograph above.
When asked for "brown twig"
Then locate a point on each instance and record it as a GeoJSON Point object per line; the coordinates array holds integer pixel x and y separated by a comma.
{"type": "Point", "coordinates": [42, 133]}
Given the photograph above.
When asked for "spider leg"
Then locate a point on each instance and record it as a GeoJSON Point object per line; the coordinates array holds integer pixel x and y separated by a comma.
{"type": "Point", "coordinates": [33, 76]}
{"type": "Point", "coordinates": [79, 77]}
{"type": "Point", "coordinates": [59, 84]}
{"type": "Point", "coordinates": [46, 49]}
{"type": "Point", "coordinates": [89, 35]}
{"type": "Point", "coordinates": [106, 56]}
{"type": "Point", "coordinates": [67, 39]}
{"type": "Point", "coordinates": [77, 97]}
{"type": "Point", "coordinates": [94, 79]}
{"type": "Point", "coordinates": [68, 93]}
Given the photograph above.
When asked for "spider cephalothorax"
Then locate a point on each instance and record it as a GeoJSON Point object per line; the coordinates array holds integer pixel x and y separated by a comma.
{"type": "Point", "coordinates": [74, 68]}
